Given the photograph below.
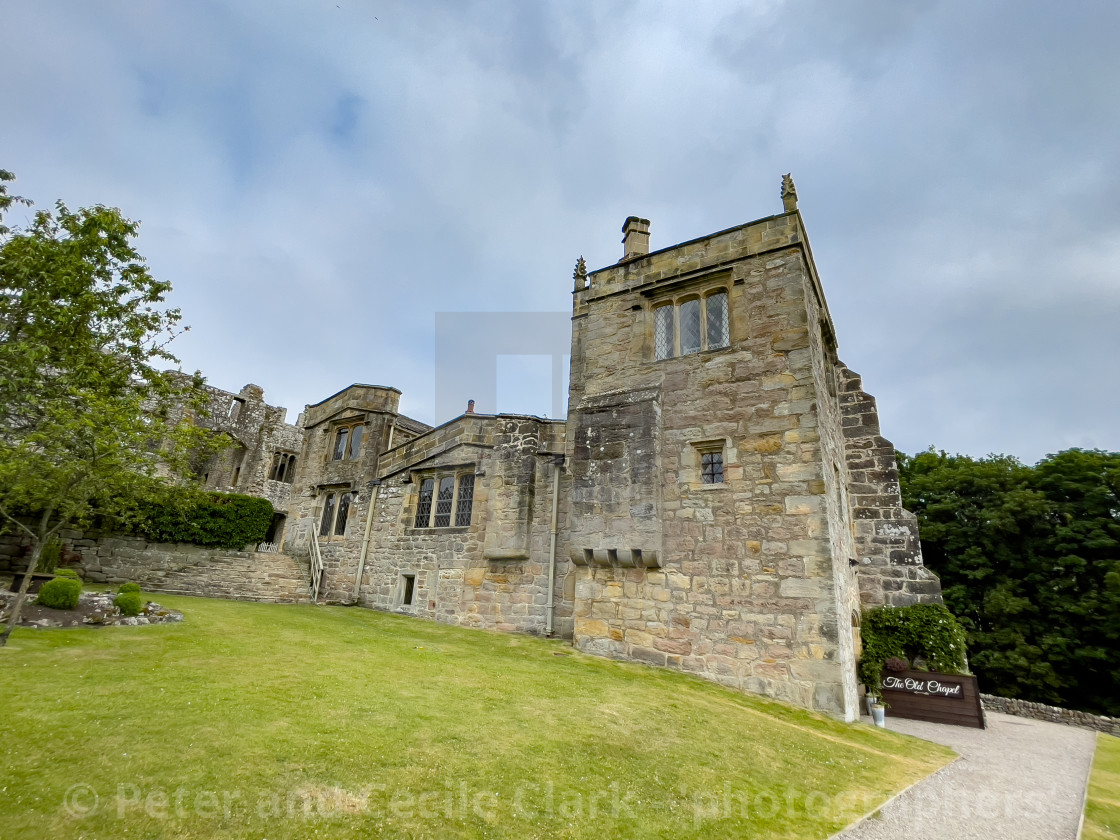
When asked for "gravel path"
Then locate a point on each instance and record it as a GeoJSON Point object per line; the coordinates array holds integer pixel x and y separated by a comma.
{"type": "Point", "coordinates": [1018, 779]}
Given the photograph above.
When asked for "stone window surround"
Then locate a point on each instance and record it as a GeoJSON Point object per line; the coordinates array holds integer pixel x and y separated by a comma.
{"type": "Point", "coordinates": [283, 467]}
{"type": "Point", "coordinates": [435, 475]}
{"type": "Point", "coordinates": [337, 491]}
{"type": "Point", "coordinates": [702, 291]}
{"type": "Point", "coordinates": [335, 429]}
{"type": "Point", "coordinates": [403, 588]}
{"type": "Point", "coordinates": [691, 471]}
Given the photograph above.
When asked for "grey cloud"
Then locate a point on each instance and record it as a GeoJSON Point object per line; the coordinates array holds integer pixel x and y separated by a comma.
{"type": "Point", "coordinates": [317, 184]}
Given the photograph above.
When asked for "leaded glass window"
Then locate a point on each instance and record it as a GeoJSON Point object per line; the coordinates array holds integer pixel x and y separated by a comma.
{"type": "Point", "coordinates": [716, 313]}
{"type": "Point", "coordinates": [690, 326]}
{"type": "Point", "coordinates": [328, 516]}
{"type": "Point", "coordinates": [443, 502]}
{"type": "Point", "coordinates": [343, 513]}
{"type": "Point", "coordinates": [340, 444]}
{"type": "Point", "coordinates": [424, 508]}
{"type": "Point", "coordinates": [711, 467]}
{"type": "Point", "coordinates": [465, 501]}
{"type": "Point", "coordinates": [356, 442]}
{"type": "Point", "coordinates": [663, 332]}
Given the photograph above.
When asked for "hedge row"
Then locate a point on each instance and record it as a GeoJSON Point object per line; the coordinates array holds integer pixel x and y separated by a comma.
{"type": "Point", "coordinates": [222, 520]}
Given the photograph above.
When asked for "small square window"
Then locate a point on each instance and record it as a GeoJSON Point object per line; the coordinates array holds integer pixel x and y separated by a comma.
{"type": "Point", "coordinates": [711, 467]}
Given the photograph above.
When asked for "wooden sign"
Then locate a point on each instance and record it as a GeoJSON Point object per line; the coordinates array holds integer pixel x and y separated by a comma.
{"type": "Point", "coordinates": [929, 686]}
{"type": "Point", "coordinates": [938, 698]}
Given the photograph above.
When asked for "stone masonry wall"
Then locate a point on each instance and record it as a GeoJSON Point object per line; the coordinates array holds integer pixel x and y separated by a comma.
{"type": "Point", "coordinates": [1053, 714]}
{"type": "Point", "coordinates": [175, 568]}
{"type": "Point", "coordinates": [888, 550]}
{"type": "Point", "coordinates": [492, 573]}
{"type": "Point", "coordinates": [746, 589]}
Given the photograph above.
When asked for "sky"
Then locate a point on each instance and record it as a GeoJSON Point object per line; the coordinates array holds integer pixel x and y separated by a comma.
{"type": "Point", "coordinates": [319, 180]}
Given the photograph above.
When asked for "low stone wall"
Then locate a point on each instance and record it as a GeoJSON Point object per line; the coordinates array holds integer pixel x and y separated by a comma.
{"type": "Point", "coordinates": [175, 568]}
{"type": "Point", "coordinates": [1053, 714]}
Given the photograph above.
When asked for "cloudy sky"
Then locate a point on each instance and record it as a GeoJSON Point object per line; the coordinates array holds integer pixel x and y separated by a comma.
{"type": "Point", "coordinates": [318, 179]}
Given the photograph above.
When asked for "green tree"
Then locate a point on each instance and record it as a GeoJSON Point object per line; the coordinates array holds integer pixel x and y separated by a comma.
{"type": "Point", "coordinates": [1028, 561]}
{"type": "Point", "coordinates": [87, 423]}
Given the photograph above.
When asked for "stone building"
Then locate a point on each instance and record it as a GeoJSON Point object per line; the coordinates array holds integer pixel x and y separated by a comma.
{"type": "Point", "coordinates": [719, 499]}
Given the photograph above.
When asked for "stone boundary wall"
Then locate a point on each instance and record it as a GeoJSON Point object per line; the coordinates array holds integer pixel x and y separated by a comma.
{"type": "Point", "coordinates": [175, 568]}
{"type": "Point", "coordinates": [1052, 714]}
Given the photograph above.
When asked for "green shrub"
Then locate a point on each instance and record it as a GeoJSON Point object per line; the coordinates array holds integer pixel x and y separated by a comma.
{"type": "Point", "coordinates": [926, 631]}
{"type": "Point", "coordinates": [223, 520]}
{"type": "Point", "coordinates": [70, 573]}
{"type": "Point", "coordinates": [60, 593]}
{"type": "Point", "coordinates": [129, 603]}
{"type": "Point", "coordinates": [129, 587]}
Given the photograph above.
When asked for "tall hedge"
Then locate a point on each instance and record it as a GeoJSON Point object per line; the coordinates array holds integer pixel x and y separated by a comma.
{"type": "Point", "coordinates": [222, 520]}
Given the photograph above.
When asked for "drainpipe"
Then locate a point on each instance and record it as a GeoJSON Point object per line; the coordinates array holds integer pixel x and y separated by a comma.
{"type": "Point", "coordinates": [374, 485]}
{"type": "Point", "coordinates": [550, 607]}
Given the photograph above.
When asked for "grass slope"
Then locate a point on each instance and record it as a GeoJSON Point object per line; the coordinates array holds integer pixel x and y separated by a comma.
{"type": "Point", "coordinates": [1102, 809]}
{"type": "Point", "coordinates": [253, 720]}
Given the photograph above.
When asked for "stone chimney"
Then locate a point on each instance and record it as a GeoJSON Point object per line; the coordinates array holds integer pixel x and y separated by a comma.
{"type": "Point", "coordinates": [635, 238]}
{"type": "Point", "coordinates": [470, 407]}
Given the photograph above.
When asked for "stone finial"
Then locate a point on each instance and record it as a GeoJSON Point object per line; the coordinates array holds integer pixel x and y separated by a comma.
{"type": "Point", "coordinates": [580, 274]}
{"type": "Point", "coordinates": [789, 193]}
{"type": "Point", "coordinates": [470, 407]}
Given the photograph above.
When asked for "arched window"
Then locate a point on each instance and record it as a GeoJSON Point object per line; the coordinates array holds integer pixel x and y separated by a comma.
{"type": "Point", "coordinates": [690, 326]}
{"type": "Point", "coordinates": [356, 442]}
{"type": "Point", "coordinates": [715, 316]}
{"type": "Point", "coordinates": [663, 332]}
{"type": "Point", "coordinates": [340, 444]}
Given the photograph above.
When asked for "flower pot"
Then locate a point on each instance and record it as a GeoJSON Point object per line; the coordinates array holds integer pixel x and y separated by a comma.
{"type": "Point", "coordinates": [878, 714]}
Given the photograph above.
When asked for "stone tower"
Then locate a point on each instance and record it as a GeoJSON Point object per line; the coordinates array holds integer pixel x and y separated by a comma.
{"type": "Point", "coordinates": [713, 512]}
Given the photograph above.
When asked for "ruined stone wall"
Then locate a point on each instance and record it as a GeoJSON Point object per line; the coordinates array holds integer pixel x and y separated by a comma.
{"type": "Point", "coordinates": [744, 589]}
{"type": "Point", "coordinates": [256, 431]}
{"type": "Point", "coordinates": [886, 535]}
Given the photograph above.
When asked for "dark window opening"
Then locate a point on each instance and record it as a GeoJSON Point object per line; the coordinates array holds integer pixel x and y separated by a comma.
{"type": "Point", "coordinates": [408, 589]}
{"type": "Point", "coordinates": [424, 508]}
{"type": "Point", "coordinates": [275, 528]}
{"type": "Point", "coordinates": [465, 501]}
{"type": "Point", "coordinates": [711, 467]}
{"type": "Point", "coordinates": [283, 467]}
{"type": "Point", "coordinates": [343, 513]}
{"type": "Point", "coordinates": [328, 516]}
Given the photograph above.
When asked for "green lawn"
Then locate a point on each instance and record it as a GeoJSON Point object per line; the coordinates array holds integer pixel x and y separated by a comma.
{"type": "Point", "coordinates": [263, 721]}
{"type": "Point", "coordinates": [1102, 810]}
